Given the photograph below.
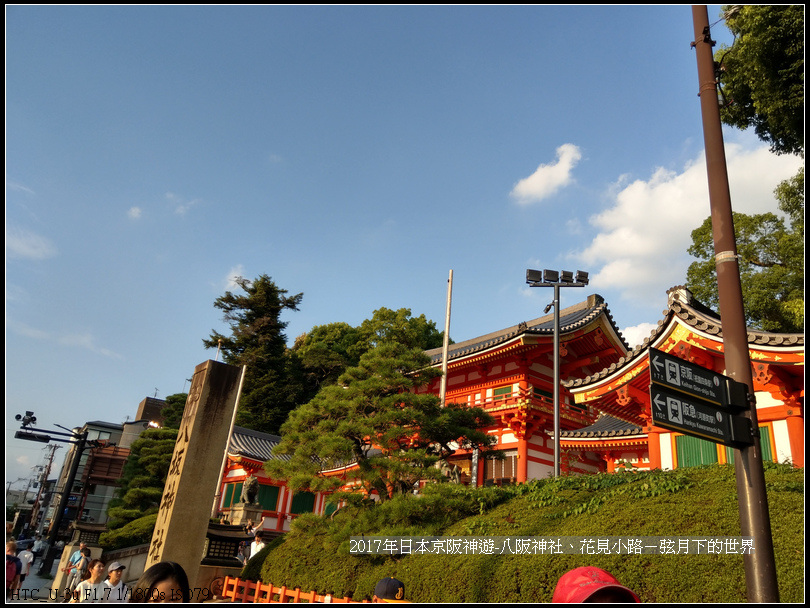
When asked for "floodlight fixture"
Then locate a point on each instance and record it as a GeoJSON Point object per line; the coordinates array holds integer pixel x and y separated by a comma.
{"type": "Point", "coordinates": [550, 276]}
{"type": "Point", "coordinates": [534, 276]}
{"type": "Point", "coordinates": [566, 276]}
{"type": "Point", "coordinates": [582, 277]}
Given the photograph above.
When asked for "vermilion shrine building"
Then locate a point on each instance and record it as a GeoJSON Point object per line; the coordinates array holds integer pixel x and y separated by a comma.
{"type": "Point", "coordinates": [689, 330]}
{"type": "Point", "coordinates": [605, 416]}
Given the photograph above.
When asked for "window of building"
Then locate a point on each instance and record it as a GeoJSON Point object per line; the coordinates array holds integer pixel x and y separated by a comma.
{"type": "Point", "coordinates": [694, 451]}
{"type": "Point", "coordinates": [502, 392]}
{"type": "Point", "coordinates": [268, 497]}
{"type": "Point", "coordinates": [303, 502]}
{"type": "Point", "coordinates": [233, 492]}
{"type": "Point", "coordinates": [501, 472]}
{"type": "Point", "coordinates": [764, 444]}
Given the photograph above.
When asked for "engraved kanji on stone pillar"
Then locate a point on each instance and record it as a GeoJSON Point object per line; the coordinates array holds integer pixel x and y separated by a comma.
{"type": "Point", "coordinates": [185, 508]}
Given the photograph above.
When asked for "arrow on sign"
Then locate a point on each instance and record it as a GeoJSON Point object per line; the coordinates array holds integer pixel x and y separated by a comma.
{"type": "Point", "coordinates": [659, 404]}
{"type": "Point", "coordinates": [656, 364]}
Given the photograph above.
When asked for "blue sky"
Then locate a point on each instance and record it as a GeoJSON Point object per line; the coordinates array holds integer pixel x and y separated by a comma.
{"type": "Point", "coordinates": [355, 154]}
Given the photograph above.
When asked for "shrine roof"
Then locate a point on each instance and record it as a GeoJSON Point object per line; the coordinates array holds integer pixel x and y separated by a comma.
{"type": "Point", "coordinates": [571, 319]}
{"type": "Point", "coordinates": [681, 304]}
{"type": "Point", "coordinates": [254, 444]}
{"type": "Point", "coordinates": [605, 427]}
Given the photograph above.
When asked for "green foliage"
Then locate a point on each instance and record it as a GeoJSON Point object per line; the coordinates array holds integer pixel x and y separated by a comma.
{"type": "Point", "coordinates": [399, 326]}
{"type": "Point", "coordinates": [327, 351]}
{"type": "Point", "coordinates": [143, 478]}
{"type": "Point", "coordinates": [700, 501]}
{"type": "Point", "coordinates": [173, 412]}
{"type": "Point", "coordinates": [273, 383]}
{"type": "Point", "coordinates": [136, 532]}
{"type": "Point", "coordinates": [375, 418]}
{"type": "Point", "coordinates": [762, 74]}
{"type": "Point", "coordinates": [771, 262]}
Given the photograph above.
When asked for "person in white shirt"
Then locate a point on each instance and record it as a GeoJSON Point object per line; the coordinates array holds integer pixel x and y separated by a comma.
{"type": "Point", "coordinates": [36, 549]}
{"type": "Point", "coordinates": [27, 558]}
{"type": "Point", "coordinates": [115, 591]}
{"type": "Point", "coordinates": [91, 589]}
{"type": "Point", "coordinates": [257, 544]}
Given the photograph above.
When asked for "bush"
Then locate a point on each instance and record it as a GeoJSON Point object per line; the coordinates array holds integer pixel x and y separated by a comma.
{"type": "Point", "coordinates": [137, 532]}
{"type": "Point", "coordinates": [700, 501]}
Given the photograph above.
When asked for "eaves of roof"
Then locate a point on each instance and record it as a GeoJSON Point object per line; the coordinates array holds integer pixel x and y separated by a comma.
{"type": "Point", "coordinates": [254, 445]}
{"type": "Point", "coordinates": [571, 319]}
{"type": "Point", "coordinates": [605, 427]}
{"type": "Point", "coordinates": [682, 304]}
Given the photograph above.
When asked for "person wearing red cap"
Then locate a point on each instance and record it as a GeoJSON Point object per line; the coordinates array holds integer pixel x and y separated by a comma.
{"type": "Point", "coordinates": [389, 590]}
{"type": "Point", "coordinates": [592, 585]}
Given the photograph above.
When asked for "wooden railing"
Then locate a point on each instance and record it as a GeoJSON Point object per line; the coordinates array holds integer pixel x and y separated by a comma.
{"type": "Point", "coordinates": [238, 590]}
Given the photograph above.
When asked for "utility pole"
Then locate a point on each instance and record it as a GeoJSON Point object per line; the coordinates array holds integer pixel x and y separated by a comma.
{"type": "Point", "coordinates": [760, 567]}
{"type": "Point", "coordinates": [42, 481]}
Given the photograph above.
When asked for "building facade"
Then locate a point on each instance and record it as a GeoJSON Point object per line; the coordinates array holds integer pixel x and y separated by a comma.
{"type": "Point", "coordinates": [624, 435]}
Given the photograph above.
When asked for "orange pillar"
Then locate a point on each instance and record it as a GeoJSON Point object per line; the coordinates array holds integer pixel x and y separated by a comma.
{"type": "Point", "coordinates": [523, 459]}
{"type": "Point", "coordinates": [795, 425]}
{"type": "Point", "coordinates": [654, 448]}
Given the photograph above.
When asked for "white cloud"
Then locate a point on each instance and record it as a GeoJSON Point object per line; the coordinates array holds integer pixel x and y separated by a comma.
{"type": "Point", "coordinates": [85, 340]}
{"type": "Point", "coordinates": [20, 188]}
{"type": "Point", "coordinates": [28, 331]}
{"type": "Point", "coordinates": [643, 237]}
{"type": "Point", "coordinates": [134, 213]}
{"type": "Point", "coordinates": [636, 334]}
{"type": "Point", "coordinates": [181, 205]}
{"type": "Point", "coordinates": [548, 179]}
{"type": "Point", "coordinates": [22, 243]}
{"type": "Point", "coordinates": [88, 342]}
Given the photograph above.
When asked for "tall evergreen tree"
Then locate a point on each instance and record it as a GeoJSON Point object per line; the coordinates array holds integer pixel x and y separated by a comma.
{"type": "Point", "coordinates": [273, 382]}
{"type": "Point", "coordinates": [375, 417]}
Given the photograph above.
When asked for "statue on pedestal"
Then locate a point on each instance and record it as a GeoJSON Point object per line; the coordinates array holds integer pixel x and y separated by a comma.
{"type": "Point", "coordinates": [250, 489]}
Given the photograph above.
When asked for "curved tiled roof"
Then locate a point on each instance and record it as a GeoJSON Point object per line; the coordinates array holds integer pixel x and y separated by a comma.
{"type": "Point", "coordinates": [682, 303]}
{"type": "Point", "coordinates": [571, 319]}
{"type": "Point", "coordinates": [605, 427]}
{"type": "Point", "coordinates": [254, 444]}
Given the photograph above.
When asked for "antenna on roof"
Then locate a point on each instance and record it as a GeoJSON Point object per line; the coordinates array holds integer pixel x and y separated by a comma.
{"type": "Point", "coordinates": [156, 392]}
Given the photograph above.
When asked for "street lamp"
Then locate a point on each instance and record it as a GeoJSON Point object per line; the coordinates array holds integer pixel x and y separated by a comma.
{"type": "Point", "coordinates": [77, 439]}
{"type": "Point", "coordinates": [552, 278]}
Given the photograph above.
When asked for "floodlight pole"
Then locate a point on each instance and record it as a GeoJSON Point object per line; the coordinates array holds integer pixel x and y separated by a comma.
{"type": "Point", "coordinates": [551, 279]}
{"type": "Point", "coordinates": [556, 304]}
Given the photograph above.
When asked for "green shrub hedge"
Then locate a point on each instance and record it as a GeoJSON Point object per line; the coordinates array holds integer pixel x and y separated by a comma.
{"type": "Point", "coordinates": [700, 501]}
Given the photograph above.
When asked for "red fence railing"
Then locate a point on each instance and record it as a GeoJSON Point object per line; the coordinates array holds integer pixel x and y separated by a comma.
{"type": "Point", "coordinates": [238, 590]}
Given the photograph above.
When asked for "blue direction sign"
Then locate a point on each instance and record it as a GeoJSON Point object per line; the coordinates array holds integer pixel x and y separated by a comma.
{"type": "Point", "coordinates": [679, 375]}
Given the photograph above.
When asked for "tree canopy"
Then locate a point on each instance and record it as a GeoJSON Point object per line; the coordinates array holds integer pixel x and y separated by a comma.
{"type": "Point", "coordinates": [762, 74]}
{"type": "Point", "coordinates": [273, 384]}
{"type": "Point", "coordinates": [771, 262]}
{"type": "Point", "coordinates": [375, 417]}
{"type": "Point", "coordinates": [326, 351]}
{"type": "Point", "coordinates": [144, 477]}
{"type": "Point", "coordinates": [172, 413]}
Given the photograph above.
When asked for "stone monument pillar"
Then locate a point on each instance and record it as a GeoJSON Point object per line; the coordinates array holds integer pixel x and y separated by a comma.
{"type": "Point", "coordinates": [185, 508]}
